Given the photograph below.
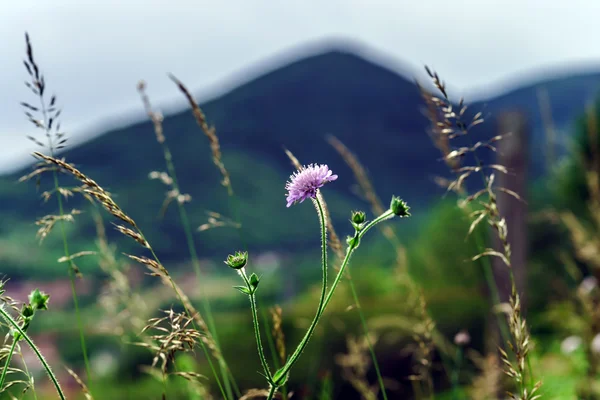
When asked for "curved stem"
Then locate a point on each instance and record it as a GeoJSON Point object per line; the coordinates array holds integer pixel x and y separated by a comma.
{"type": "Point", "coordinates": [7, 364]}
{"type": "Point", "coordinates": [292, 360]}
{"type": "Point", "coordinates": [255, 321]}
{"type": "Point", "coordinates": [6, 316]}
{"type": "Point", "coordinates": [386, 215]}
{"type": "Point", "coordinates": [283, 371]}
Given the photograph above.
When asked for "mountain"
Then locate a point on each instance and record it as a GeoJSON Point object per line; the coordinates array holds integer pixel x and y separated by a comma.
{"type": "Point", "coordinates": [567, 95]}
{"type": "Point", "coordinates": [375, 111]}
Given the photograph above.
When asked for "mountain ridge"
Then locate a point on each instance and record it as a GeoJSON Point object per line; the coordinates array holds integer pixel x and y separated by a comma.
{"type": "Point", "coordinates": [373, 110]}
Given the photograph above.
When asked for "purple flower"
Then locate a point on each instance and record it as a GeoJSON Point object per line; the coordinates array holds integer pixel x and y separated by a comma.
{"type": "Point", "coordinates": [303, 184]}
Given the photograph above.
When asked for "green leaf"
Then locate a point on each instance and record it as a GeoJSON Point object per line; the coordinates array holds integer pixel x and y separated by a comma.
{"type": "Point", "coordinates": [242, 289]}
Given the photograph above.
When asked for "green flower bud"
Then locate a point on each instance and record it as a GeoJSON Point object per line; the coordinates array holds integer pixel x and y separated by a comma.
{"type": "Point", "coordinates": [254, 280]}
{"type": "Point", "coordinates": [358, 217]}
{"type": "Point", "coordinates": [39, 300]}
{"type": "Point", "coordinates": [399, 207]}
{"type": "Point", "coordinates": [237, 260]}
{"type": "Point", "coordinates": [358, 220]}
{"type": "Point", "coordinates": [27, 311]}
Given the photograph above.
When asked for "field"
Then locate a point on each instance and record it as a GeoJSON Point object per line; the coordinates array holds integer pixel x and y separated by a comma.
{"type": "Point", "coordinates": [245, 248]}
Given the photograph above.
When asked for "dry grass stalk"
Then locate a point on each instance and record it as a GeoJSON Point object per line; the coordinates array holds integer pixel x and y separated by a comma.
{"type": "Point", "coordinates": [82, 385]}
{"type": "Point", "coordinates": [173, 334]}
{"type": "Point", "coordinates": [48, 222]}
{"type": "Point", "coordinates": [157, 120]}
{"type": "Point", "coordinates": [217, 220]}
{"type": "Point", "coordinates": [155, 117]}
{"type": "Point", "coordinates": [486, 385]}
{"type": "Point", "coordinates": [277, 332]}
{"type": "Point", "coordinates": [210, 132]}
{"type": "Point", "coordinates": [355, 365]}
{"type": "Point", "coordinates": [446, 125]}
{"type": "Point", "coordinates": [48, 112]}
{"type": "Point", "coordinates": [156, 268]}
{"type": "Point", "coordinates": [369, 193]}
{"type": "Point", "coordinates": [423, 354]}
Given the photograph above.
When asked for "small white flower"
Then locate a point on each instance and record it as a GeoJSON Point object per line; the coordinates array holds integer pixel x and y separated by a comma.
{"type": "Point", "coordinates": [570, 344]}
{"type": "Point", "coordinates": [462, 338]}
{"type": "Point", "coordinates": [588, 284]}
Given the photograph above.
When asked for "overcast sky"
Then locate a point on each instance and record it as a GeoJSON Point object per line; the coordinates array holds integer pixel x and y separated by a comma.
{"type": "Point", "coordinates": [94, 52]}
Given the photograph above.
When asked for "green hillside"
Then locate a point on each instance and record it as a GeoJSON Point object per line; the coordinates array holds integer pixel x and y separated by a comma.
{"type": "Point", "coordinates": [375, 111]}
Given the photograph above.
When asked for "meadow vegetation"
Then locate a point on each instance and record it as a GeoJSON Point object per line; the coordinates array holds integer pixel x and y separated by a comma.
{"type": "Point", "coordinates": [410, 310]}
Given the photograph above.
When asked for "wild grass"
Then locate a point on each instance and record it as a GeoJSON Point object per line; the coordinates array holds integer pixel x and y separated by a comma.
{"type": "Point", "coordinates": [395, 346]}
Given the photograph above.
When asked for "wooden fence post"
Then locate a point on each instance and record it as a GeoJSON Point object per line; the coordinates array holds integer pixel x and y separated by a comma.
{"type": "Point", "coordinates": [513, 154]}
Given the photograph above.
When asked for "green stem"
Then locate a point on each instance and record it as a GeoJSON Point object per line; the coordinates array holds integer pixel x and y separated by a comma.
{"type": "Point", "coordinates": [66, 247]}
{"type": "Point", "coordinates": [196, 265]}
{"type": "Point", "coordinates": [37, 352]}
{"type": "Point", "coordinates": [294, 357]}
{"type": "Point", "coordinates": [456, 373]}
{"type": "Point", "coordinates": [488, 271]}
{"type": "Point", "coordinates": [72, 281]}
{"type": "Point", "coordinates": [292, 360]}
{"type": "Point", "coordinates": [255, 321]}
{"type": "Point", "coordinates": [363, 322]}
{"type": "Point", "coordinates": [272, 391]}
{"type": "Point", "coordinates": [7, 364]}
{"type": "Point", "coordinates": [31, 381]}
{"type": "Point", "coordinates": [491, 283]}
{"type": "Point", "coordinates": [212, 368]}
{"type": "Point", "coordinates": [386, 215]}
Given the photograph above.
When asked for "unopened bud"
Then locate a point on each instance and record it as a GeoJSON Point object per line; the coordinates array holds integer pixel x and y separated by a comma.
{"type": "Point", "coordinates": [237, 260]}
{"type": "Point", "coordinates": [399, 207]}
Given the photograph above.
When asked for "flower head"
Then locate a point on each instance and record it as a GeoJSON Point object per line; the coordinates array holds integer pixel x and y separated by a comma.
{"type": "Point", "coordinates": [303, 184]}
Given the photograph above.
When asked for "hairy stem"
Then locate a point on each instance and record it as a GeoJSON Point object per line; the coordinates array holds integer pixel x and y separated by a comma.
{"type": "Point", "coordinates": [7, 364]}
{"type": "Point", "coordinates": [296, 354]}
{"type": "Point", "coordinates": [6, 316]}
{"type": "Point", "coordinates": [292, 360]}
{"type": "Point", "coordinates": [272, 391]}
{"type": "Point", "coordinates": [261, 351]}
